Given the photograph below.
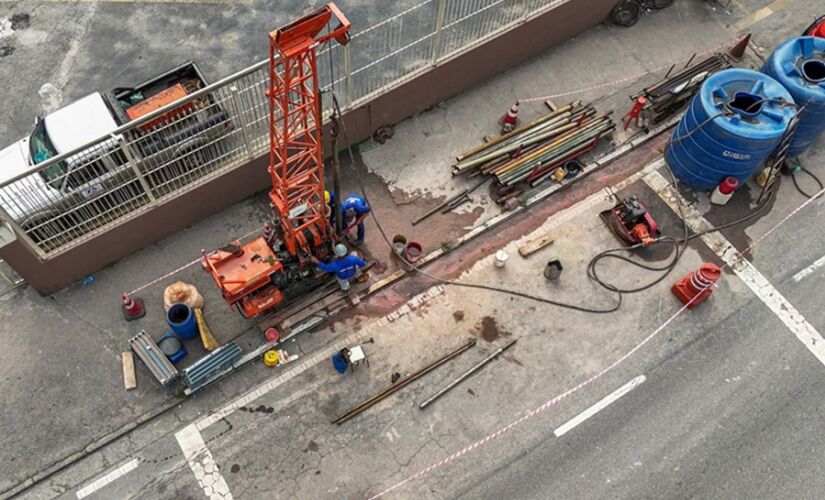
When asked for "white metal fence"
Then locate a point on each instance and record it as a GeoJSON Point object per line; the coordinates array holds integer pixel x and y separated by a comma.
{"type": "Point", "coordinates": [68, 198]}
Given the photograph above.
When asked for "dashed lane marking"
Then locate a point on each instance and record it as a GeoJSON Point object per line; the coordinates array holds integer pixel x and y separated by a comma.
{"type": "Point", "coordinates": [809, 270]}
{"type": "Point", "coordinates": [107, 478]}
{"type": "Point", "coordinates": [202, 464]}
{"type": "Point", "coordinates": [599, 406]}
{"type": "Point", "coordinates": [743, 268]}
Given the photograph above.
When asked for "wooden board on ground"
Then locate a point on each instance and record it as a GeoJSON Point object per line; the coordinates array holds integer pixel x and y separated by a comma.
{"type": "Point", "coordinates": [551, 105]}
{"type": "Point", "coordinates": [128, 362]}
{"type": "Point", "coordinates": [534, 246]}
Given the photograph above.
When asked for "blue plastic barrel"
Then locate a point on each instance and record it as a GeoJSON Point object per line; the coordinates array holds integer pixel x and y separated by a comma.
{"type": "Point", "coordinates": [732, 125]}
{"type": "Point", "coordinates": [181, 320]}
{"type": "Point", "coordinates": [799, 65]}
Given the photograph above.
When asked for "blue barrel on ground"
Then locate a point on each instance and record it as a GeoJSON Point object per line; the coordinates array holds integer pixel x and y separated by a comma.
{"type": "Point", "coordinates": [181, 320]}
{"type": "Point", "coordinates": [799, 65]}
{"type": "Point", "coordinates": [732, 125]}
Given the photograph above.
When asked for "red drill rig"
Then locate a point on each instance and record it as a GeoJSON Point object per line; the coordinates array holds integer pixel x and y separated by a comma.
{"type": "Point", "coordinates": [256, 276]}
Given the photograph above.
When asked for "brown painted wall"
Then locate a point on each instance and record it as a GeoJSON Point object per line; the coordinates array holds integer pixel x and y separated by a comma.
{"type": "Point", "coordinates": [441, 82]}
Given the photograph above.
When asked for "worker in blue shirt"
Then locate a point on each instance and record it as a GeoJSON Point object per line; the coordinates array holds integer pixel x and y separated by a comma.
{"type": "Point", "coordinates": [355, 209]}
{"type": "Point", "coordinates": [346, 267]}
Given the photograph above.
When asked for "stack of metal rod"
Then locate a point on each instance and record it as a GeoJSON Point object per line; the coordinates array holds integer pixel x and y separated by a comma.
{"type": "Point", "coordinates": [668, 95]}
{"type": "Point", "coordinates": [534, 152]}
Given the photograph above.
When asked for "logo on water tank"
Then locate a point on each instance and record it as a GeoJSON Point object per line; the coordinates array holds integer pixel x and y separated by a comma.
{"type": "Point", "coordinates": [736, 156]}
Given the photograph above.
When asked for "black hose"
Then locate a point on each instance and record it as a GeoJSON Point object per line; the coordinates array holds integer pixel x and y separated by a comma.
{"type": "Point", "coordinates": [812, 176]}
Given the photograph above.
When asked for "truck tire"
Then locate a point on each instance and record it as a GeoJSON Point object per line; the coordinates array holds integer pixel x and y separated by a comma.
{"type": "Point", "coordinates": [626, 13]}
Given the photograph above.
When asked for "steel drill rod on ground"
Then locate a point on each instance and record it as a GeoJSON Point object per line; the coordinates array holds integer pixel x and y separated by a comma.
{"type": "Point", "coordinates": [400, 384]}
{"type": "Point", "coordinates": [466, 374]}
{"type": "Point", "coordinates": [440, 206]}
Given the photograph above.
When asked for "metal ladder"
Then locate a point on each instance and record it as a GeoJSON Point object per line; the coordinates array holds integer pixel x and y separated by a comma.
{"type": "Point", "coordinates": [780, 155]}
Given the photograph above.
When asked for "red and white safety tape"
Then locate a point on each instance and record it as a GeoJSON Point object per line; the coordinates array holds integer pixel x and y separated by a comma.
{"type": "Point", "coordinates": [552, 402]}
{"type": "Point", "coordinates": [623, 80]}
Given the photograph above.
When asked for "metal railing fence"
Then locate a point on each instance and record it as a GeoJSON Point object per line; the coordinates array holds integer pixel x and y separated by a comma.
{"type": "Point", "coordinates": [72, 197]}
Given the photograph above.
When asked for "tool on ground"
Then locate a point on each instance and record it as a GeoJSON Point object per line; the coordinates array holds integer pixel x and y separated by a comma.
{"type": "Point", "coordinates": [127, 360]}
{"type": "Point", "coordinates": [450, 203]}
{"type": "Point", "coordinates": [357, 409]}
{"type": "Point", "coordinates": [271, 357]}
{"type": "Point", "coordinates": [466, 374]}
{"type": "Point", "coordinates": [211, 366]}
{"type": "Point", "coordinates": [132, 308]}
{"type": "Point", "coordinates": [695, 287]}
{"type": "Point", "coordinates": [509, 121]}
{"type": "Point", "coordinates": [154, 359]}
{"type": "Point", "coordinates": [210, 343]}
{"type": "Point", "coordinates": [723, 192]}
{"type": "Point", "coordinates": [631, 222]}
{"type": "Point", "coordinates": [635, 114]}
{"type": "Point", "coordinates": [172, 347]}
{"type": "Point", "coordinates": [256, 276]}
{"type": "Point", "coordinates": [535, 245]}
{"type": "Point", "coordinates": [553, 270]}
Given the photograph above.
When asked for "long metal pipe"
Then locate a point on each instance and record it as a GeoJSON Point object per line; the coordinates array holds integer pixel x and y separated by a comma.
{"type": "Point", "coordinates": [559, 151]}
{"type": "Point", "coordinates": [466, 374]}
{"type": "Point", "coordinates": [398, 385]}
{"type": "Point", "coordinates": [516, 131]}
{"type": "Point", "coordinates": [509, 149]}
{"type": "Point", "coordinates": [584, 126]}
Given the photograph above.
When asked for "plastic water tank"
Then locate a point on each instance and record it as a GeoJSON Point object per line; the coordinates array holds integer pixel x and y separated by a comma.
{"type": "Point", "coordinates": [799, 65]}
{"type": "Point", "coordinates": [732, 125]}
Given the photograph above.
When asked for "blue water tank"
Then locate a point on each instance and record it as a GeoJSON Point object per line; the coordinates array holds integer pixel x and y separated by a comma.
{"type": "Point", "coordinates": [732, 125]}
{"type": "Point", "coordinates": [799, 65]}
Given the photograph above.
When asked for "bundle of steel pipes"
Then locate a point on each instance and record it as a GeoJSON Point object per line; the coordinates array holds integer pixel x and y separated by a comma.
{"type": "Point", "coordinates": [667, 96]}
{"type": "Point", "coordinates": [535, 151]}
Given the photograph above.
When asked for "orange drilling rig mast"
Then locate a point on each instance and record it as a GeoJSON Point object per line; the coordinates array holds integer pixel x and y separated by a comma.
{"type": "Point", "coordinates": [256, 276]}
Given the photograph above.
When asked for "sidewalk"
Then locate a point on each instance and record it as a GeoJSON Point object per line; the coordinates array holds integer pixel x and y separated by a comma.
{"type": "Point", "coordinates": [60, 367]}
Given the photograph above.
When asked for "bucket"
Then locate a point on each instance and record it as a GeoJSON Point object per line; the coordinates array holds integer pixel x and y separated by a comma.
{"type": "Point", "coordinates": [501, 258]}
{"type": "Point", "coordinates": [413, 251]}
{"type": "Point", "coordinates": [181, 320]}
{"type": "Point", "coordinates": [399, 243]}
{"type": "Point", "coordinates": [553, 270]}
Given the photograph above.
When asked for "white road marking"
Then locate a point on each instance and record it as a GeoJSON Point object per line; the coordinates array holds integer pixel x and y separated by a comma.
{"type": "Point", "coordinates": [809, 270]}
{"type": "Point", "coordinates": [743, 268]}
{"type": "Point", "coordinates": [599, 406]}
{"type": "Point", "coordinates": [311, 361]}
{"type": "Point", "coordinates": [108, 478]}
{"type": "Point", "coordinates": [202, 464]}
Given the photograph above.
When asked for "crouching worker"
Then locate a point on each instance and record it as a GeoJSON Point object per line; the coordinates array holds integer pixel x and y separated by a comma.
{"type": "Point", "coordinates": [346, 267]}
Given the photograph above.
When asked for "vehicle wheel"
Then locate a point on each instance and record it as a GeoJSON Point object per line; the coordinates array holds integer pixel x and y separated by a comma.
{"type": "Point", "coordinates": [661, 4]}
{"type": "Point", "coordinates": [626, 13]}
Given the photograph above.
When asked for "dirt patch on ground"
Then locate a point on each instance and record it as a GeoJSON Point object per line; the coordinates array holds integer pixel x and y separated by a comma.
{"type": "Point", "coordinates": [458, 316]}
{"type": "Point", "coordinates": [489, 329]}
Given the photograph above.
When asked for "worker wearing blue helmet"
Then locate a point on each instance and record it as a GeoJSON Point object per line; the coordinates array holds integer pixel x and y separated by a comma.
{"type": "Point", "coordinates": [355, 209]}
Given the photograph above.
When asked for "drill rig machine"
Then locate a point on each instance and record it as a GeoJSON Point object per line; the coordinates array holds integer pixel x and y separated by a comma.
{"type": "Point", "coordinates": [259, 275]}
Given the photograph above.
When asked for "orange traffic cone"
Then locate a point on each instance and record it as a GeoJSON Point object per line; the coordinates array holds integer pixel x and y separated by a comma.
{"type": "Point", "coordinates": [696, 287]}
{"type": "Point", "coordinates": [132, 308]}
{"type": "Point", "coordinates": [509, 120]}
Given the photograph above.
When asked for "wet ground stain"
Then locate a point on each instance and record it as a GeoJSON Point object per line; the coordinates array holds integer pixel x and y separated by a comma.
{"type": "Point", "coordinates": [489, 329]}
{"type": "Point", "coordinates": [471, 392]}
{"type": "Point", "coordinates": [312, 446]}
{"type": "Point", "coordinates": [257, 409]}
{"type": "Point", "coordinates": [6, 50]}
{"type": "Point", "coordinates": [458, 316]}
{"type": "Point", "coordinates": [20, 21]}
{"type": "Point", "coordinates": [235, 468]}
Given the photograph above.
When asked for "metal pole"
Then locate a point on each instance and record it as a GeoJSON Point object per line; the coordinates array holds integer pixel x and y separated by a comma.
{"type": "Point", "coordinates": [127, 152]}
{"type": "Point", "coordinates": [347, 75]}
{"type": "Point", "coordinates": [466, 374]}
{"type": "Point", "coordinates": [401, 383]}
{"type": "Point", "coordinates": [336, 174]}
{"type": "Point", "coordinates": [239, 112]}
{"type": "Point", "coordinates": [441, 9]}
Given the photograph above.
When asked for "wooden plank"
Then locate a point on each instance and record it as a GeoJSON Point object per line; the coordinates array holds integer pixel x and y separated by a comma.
{"type": "Point", "coordinates": [551, 105]}
{"type": "Point", "coordinates": [128, 362]}
{"type": "Point", "coordinates": [534, 246]}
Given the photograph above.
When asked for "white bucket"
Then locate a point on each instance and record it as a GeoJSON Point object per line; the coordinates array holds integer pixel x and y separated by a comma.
{"type": "Point", "coordinates": [501, 258]}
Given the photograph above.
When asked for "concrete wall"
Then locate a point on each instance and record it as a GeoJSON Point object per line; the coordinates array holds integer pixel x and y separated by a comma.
{"type": "Point", "coordinates": [437, 84]}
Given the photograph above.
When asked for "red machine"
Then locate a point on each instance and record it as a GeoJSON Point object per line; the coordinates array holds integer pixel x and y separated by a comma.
{"type": "Point", "coordinates": [256, 276]}
{"type": "Point", "coordinates": [630, 221]}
